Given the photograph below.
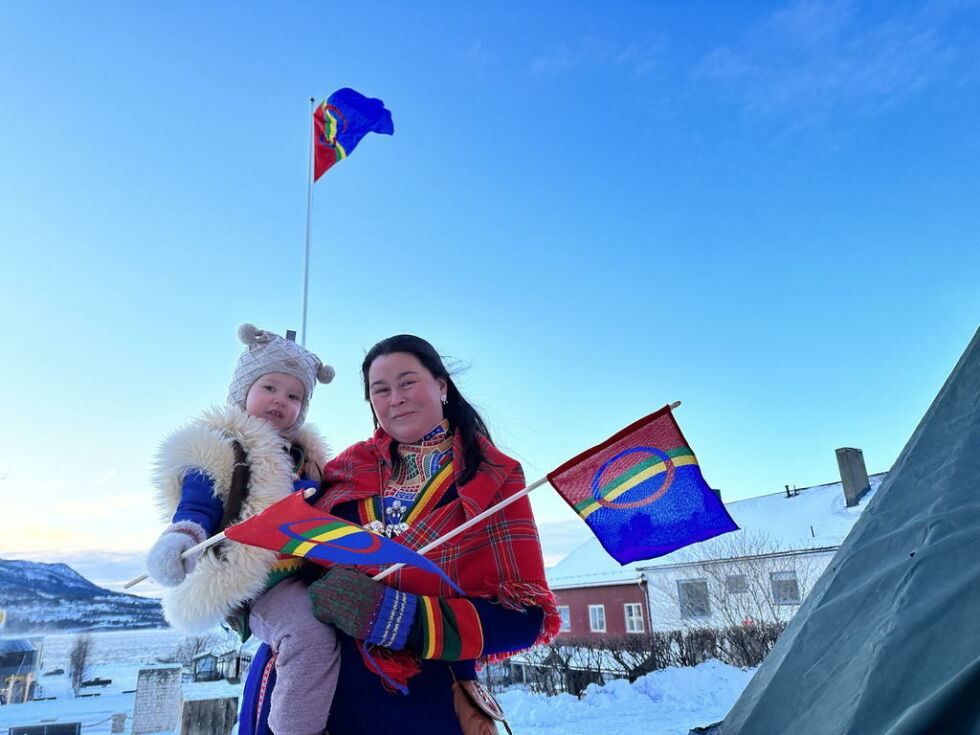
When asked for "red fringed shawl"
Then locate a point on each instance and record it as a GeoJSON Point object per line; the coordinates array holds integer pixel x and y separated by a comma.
{"type": "Point", "coordinates": [498, 559]}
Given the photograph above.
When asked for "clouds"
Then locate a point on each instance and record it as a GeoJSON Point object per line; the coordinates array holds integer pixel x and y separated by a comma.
{"type": "Point", "coordinates": [815, 60]}
{"type": "Point", "coordinates": [637, 57]}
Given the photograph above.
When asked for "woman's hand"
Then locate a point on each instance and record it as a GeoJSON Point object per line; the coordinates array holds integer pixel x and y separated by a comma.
{"type": "Point", "coordinates": [362, 608]}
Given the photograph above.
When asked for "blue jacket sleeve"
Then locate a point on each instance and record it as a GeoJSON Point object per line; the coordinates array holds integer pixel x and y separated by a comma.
{"type": "Point", "coordinates": [502, 629]}
{"type": "Point", "coordinates": [198, 503]}
{"type": "Point", "coordinates": [506, 630]}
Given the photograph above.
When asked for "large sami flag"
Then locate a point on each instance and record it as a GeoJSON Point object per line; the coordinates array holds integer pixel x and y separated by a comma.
{"type": "Point", "coordinates": [641, 491]}
{"type": "Point", "coordinates": [293, 526]}
{"type": "Point", "coordinates": [339, 123]}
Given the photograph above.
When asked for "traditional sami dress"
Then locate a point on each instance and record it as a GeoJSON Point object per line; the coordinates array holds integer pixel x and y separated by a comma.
{"type": "Point", "coordinates": [507, 606]}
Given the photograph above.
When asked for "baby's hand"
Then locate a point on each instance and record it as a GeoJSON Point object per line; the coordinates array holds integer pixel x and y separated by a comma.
{"type": "Point", "coordinates": [164, 562]}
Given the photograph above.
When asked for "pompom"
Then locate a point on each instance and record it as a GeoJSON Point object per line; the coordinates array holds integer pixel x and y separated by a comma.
{"type": "Point", "coordinates": [325, 373]}
{"type": "Point", "coordinates": [247, 333]}
{"type": "Point", "coordinates": [251, 335]}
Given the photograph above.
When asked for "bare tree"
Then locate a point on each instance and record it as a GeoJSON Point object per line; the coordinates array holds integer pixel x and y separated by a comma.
{"type": "Point", "coordinates": [744, 579]}
{"type": "Point", "coordinates": [191, 647]}
{"type": "Point", "coordinates": [79, 661]}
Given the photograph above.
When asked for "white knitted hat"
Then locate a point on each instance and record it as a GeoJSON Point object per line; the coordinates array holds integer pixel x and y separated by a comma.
{"type": "Point", "coordinates": [269, 353]}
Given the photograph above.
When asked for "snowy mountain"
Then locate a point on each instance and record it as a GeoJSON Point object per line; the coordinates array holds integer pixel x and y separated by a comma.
{"type": "Point", "coordinates": [49, 597]}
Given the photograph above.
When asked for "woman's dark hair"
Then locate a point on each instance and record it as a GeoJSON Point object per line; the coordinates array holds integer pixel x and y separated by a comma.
{"type": "Point", "coordinates": [462, 417]}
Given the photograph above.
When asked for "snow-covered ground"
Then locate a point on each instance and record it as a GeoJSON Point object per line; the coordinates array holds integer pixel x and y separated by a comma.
{"type": "Point", "coordinates": [668, 702]}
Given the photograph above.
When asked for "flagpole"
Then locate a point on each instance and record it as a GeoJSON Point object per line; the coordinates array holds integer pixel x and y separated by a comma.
{"type": "Point", "coordinates": [309, 208]}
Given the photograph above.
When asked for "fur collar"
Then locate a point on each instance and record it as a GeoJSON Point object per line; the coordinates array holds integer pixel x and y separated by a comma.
{"type": "Point", "coordinates": [222, 581]}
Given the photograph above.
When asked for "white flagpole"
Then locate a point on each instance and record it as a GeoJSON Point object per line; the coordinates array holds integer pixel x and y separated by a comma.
{"type": "Point", "coordinates": [190, 552]}
{"type": "Point", "coordinates": [425, 549]}
{"type": "Point", "coordinates": [477, 518]}
{"type": "Point", "coordinates": [309, 207]}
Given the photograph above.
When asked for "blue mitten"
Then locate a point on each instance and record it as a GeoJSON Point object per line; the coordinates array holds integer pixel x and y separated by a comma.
{"type": "Point", "coordinates": [164, 562]}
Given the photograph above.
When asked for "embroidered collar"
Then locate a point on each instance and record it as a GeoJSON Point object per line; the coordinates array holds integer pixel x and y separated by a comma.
{"type": "Point", "coordinates": [424, 474]}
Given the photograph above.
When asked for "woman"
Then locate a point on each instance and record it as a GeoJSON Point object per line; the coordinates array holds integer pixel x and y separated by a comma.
{"type": "Point", "coordinates": [429, 467]}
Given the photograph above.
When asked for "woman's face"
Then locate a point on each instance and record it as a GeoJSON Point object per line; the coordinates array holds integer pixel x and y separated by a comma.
{"type": "Point", "coordinates": [405, 396]}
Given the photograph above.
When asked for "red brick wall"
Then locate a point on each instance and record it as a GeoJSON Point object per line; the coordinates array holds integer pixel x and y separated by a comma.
{"type": "Point", "coordinates": [612, 597]}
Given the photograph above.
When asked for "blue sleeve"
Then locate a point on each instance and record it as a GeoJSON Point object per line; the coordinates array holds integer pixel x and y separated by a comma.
{"type": "Point", "coordinates": [506, 630]}
{"type": "Point", "coordinates": [502, 630]}
{"type": "Point", "coordinates": [198, 503]}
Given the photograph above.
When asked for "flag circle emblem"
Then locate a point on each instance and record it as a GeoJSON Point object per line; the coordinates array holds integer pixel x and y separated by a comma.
{"type": "Point", "coordinates": [331, 141]}
{"type": "Point", "coordinates": [373, 540]}
{"type": "Point", "coordinates": [656, 494]}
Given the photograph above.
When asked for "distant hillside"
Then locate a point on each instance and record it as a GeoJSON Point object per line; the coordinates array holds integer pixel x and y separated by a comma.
{"type": "Point", "coordinates": [48, 597]}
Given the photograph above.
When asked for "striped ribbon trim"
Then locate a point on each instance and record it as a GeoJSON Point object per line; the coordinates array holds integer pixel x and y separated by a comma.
{"type": "Point", "coordinates": [451, 629]}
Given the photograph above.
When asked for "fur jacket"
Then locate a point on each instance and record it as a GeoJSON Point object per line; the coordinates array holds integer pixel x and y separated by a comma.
{"type": "Point", "coordinates": [230, 574]}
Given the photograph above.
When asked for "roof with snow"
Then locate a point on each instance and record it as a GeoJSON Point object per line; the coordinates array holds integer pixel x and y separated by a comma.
{"type": "Point", "coordinates": [810, 518]}
{"type": "Point", "coordinates": [16, 645]}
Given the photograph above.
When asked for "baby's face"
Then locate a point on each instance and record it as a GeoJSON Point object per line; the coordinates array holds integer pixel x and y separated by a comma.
{"type": "Point", "coordinates": [277, 398]}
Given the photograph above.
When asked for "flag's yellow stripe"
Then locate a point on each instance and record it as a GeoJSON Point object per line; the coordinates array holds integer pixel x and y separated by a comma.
{"type": "Point", "coordinates": [303, 548]}
{"type": "Point", "coordinates": [636, 480]}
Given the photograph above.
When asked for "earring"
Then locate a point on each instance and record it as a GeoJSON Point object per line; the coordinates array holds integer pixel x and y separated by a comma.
{"type": "Point", "coordinates": [444, 400]}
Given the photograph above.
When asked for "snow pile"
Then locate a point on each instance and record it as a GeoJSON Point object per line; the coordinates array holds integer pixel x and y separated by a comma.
{"type": "Point", "coordinates": [674, 700]}
{"type": "Point", "coordinates": [667, 702]}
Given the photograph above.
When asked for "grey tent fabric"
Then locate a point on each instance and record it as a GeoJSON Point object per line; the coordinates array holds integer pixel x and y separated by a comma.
{"type": "Point", "coordinates": [888, 642]}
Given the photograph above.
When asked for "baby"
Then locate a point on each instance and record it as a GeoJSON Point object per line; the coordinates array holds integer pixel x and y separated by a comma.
{"type": "Point", "coordinates": [225, 466]}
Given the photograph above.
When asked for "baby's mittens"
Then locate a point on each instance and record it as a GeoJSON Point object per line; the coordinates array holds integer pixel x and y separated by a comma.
{"type": "Point", "coordinates": [164, 562]}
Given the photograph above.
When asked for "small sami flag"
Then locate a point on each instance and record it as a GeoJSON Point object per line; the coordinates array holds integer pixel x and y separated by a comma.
{"type": "Point", "coordinates": [641, 491]}
{"type": "Point", "coordinates": [339, 123]}
{"type": "Point", "coordinates": [293, 526]}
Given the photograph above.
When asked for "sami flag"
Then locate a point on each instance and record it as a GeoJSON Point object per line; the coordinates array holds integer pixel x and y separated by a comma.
{"type": "Point", "coordinates": [339, 123]}
{"type": "Point", "coordinates": [293, 526]}
{"type": "Point", "coordinates": [641, 491]}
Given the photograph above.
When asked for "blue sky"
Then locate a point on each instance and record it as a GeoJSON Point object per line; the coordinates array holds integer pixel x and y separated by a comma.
{"type": "Point", "coordinates": [764, 210]}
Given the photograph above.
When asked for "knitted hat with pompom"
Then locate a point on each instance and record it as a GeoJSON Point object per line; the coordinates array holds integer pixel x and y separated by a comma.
{"type": "Point", "coordinates": [266, 353]}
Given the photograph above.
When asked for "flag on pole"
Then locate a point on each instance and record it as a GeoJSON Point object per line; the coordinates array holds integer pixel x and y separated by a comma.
{"type": "Point", "coordinates": [339, 123]}
{"type": "Point", "coordinates": [293, 526]}
{"type": "Point", "coordinates": [641, 491]}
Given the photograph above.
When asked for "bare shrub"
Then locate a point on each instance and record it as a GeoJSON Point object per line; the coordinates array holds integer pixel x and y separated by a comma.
{"type": "Point", "coordinates": [79, 661]}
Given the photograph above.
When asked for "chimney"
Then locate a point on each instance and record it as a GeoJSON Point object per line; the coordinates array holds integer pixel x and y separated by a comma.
{"type": "Point", "coordinates": [853, 474]}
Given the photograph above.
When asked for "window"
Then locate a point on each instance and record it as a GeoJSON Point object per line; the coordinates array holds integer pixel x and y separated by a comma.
{"type": "Point", "coordinates": [736, 584]}
{"type": "Point", "coordinates": [566, 618]}
{"type": "Point", "coordinates": [597, 618]}
{"type": "Point", "coordinates": [785, 588]}
{"type": "Point", "coordinates": [693, 597]}
{"type": "Point", "coordinates": [634, 617]}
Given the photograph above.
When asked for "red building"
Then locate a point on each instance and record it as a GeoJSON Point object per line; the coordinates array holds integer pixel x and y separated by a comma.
{"type": "Point", "coordinates": [610, 609]}
{"type": "Point", "coordinates": [599, 603]}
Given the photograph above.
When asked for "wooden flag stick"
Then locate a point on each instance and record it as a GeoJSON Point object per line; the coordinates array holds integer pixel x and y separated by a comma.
{"type": "Point", "coordinates": [190, 552]}
{"type": "Point", "coordinates": [207, 543]}
{"type": "Point", "coordinates": [469, 524]}
{"type": "Point", "coordinates": [477, 518]}
{"type": "Point", "coordinates": [425, 549]}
